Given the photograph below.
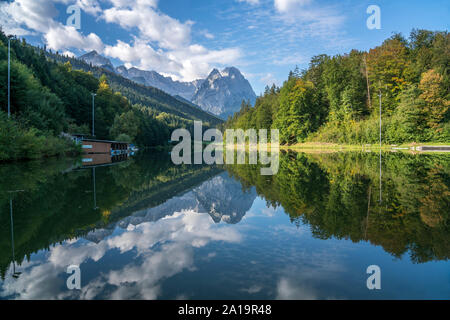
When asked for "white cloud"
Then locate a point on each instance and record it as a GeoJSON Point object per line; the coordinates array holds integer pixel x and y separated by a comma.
{"type": "Point", "coordinates": [61, 37]}
{"type": "Point", "coordinates": [169, 33]}
{"type": "Point", "coordinates": [287, 291]}
{"type": "Point", "coordinates": [286, 5]}
{"type": "Point", "coordinates": [185, 63]}
{"type": "Point", "coordinates": [207, 34]}
{"type": "Point", "coordinates": [69, 54]}
{"type": "Point", "coordinates": [252, 2]}
{"type": "Point", "coordinates": [36, 15]}
{"type": "Point", "coordinates": [143, 3]}
{"type": "Point", "coordinates": [305, 18]}
{"type": "Point", "coordinates": [165, 248]}
{"type": "Point", "coordinates": [162, 43]}
{"type": "Point", "coordinates": [90, 6]}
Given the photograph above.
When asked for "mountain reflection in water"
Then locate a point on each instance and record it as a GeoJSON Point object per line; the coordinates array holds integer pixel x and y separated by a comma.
{"type": "Point", "coordinates": [146, 229]}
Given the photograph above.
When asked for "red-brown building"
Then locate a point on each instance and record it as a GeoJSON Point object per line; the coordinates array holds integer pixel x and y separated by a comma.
{"type": "Point", "coordinates": [92, 146]}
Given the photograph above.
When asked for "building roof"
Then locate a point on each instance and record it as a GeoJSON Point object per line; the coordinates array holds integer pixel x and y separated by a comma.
{"type": "Point", "coordinates": [106, 141]}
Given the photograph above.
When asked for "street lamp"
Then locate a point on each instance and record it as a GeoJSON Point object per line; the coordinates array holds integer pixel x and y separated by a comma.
{"type": "Point", "coordinates": [9, 76]}
{"type": "Point", "coordinates": [380, 96]}
{"type": "Point", "coordinates": [93, 113]}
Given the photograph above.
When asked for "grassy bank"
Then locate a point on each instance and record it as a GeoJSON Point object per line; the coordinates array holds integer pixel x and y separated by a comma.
{"type": "Point", "coordinates": [333, 147]}
{"type": "Point", "coordinates": [354, 147]}
{"type": "Point", "coordinates": [19, 142]}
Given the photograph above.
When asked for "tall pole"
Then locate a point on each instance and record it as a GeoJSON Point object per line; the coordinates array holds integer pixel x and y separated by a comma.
{"type": "Point", "coordinates": [15, 274]}
{"type": "Point", "coordinates": [12, 229]}
{"type": "Point", "coordinates": [93, 114]}
{"type": "Point", "coordinates": [380, 148]}
{"type": "Point", "coordinates": [9, 77]}
{"type": "Point", "coordinates": [380, 119]}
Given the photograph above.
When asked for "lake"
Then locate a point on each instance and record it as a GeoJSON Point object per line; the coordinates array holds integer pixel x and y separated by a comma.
{"type": "Point", "coordinates": [147, 229]}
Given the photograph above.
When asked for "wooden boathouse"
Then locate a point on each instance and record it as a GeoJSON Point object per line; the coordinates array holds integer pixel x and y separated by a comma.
{"type": "Point", "coordinates": [93, 146]}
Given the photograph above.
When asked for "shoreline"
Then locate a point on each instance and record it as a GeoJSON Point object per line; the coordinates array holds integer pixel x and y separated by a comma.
{"type": "Point", "coordinates": [412, 147]}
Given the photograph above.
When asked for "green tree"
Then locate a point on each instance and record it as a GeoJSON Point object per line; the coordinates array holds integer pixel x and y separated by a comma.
{"type": "Point", "coordinates": [296, 116]}
{"type": "Point", "coordinates": [126, 123]}
{"type": "Point", "coordinates": [433, 93]}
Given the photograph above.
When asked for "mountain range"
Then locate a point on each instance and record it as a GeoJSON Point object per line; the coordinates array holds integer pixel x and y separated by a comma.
{"type": "Point", "coordinates": [221, 93]}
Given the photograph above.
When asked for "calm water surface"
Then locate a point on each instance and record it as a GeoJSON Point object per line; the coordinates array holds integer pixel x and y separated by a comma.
{"type": "Point", "coordinates": [146, 229]}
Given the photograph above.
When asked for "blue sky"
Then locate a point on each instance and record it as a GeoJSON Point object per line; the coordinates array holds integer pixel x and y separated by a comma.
{"type": "Point", "coordinates": [185, 39]}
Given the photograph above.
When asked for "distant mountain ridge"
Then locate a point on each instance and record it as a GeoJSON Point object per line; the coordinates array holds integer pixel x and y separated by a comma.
{"type": "Point", "coordinates": [154, 79]}
{"type": "Point", "coordinates": [221, 93]}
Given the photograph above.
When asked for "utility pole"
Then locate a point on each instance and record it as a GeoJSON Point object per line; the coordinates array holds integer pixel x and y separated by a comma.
{"type": "Point", "coordinates": [93, 113]}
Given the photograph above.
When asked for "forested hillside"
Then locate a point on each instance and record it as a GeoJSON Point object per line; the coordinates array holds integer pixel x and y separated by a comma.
{"type": "Point", "coordinates": [49, 97]}
{"type": "Point", "coordinates": [337, 98]}
{"type": "Point", "coordinates": [137, 93]}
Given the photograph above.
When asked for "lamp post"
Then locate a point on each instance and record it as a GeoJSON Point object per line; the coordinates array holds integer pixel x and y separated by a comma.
{"type": "Point", "coordinates": [9, 76]}
{"type": "Point", "coordinates": [93, 113]}
{"type": "Point", "coordinates": [380, 95]}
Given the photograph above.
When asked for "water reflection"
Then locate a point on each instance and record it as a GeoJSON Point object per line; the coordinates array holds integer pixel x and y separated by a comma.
{"type": "Point", "coordinates": [103, 159]}
{"type": "Point", "coordinates": [15, 274]}
{"type": "Point", "coordinates": [332, 194]}
{"type": "Point", "coordinates": [156, 250]}
{"type": "Point", "coordinates": [158, 231]}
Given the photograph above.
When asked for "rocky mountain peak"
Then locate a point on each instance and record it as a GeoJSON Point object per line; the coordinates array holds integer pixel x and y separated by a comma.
{"type": "Point", "coordinates": [223, 91]}
{"type": "Point", "coordinates": [97, 60]}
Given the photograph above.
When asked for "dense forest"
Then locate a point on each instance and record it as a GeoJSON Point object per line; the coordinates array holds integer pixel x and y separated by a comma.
{"type": "Point", "coordinates": [337, 98]}
{"type": "Point", "coordinates": [49, 97]}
